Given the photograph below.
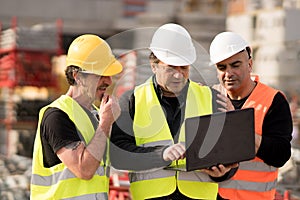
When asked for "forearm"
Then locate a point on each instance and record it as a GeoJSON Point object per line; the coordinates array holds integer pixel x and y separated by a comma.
{"type": "Point", "coordinates": [274, 151]}
{"type": "Point", "coordinates": [275, 148]}
{"type": "Point", "coordinates": [129, 160]}
{"type": "Point", "coordinates": [126, 155]}
{"type": "Point", "coordinates": [97, 145]}
{"type": "Point", "coordinates": [78, 160]}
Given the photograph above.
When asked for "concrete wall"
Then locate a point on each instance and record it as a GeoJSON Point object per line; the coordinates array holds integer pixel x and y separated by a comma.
{"type": "Point", "coordinates": [274, 38]}
{"type": "Point", "coordinates": [95, 16]}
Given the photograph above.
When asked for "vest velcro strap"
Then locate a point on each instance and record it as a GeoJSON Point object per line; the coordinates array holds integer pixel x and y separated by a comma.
{"type": "Point", "coordinates": [81, 188]}
{"type": "Point", "coordinates": [63, 175]}
{"type": "Point", "coordinates": [251, 186]}
{"type": "Point", "coordinates": [158, 143]}
{"type": "Point", "coordinates": [250, 165]}
{"type": "Point", "coordinates": [246, 194]}
{"type": "Point", "coordinates": [148, 175]}
{"type": "Point", "coordinates": [193, 176]}
{"type": "Point", "coordinates": [253, 176]}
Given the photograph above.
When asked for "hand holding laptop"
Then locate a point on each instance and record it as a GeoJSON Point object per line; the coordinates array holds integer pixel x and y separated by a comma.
{"type": "Point", "coordinates": [220, 170]}
{"type": "Point", "coordinates": [174, 152]}
{"type": "Point", "coordinates": [220, 138]}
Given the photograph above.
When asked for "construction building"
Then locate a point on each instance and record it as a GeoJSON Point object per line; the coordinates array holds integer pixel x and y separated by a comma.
{"type": "Point", "coordinates": [35, 36]}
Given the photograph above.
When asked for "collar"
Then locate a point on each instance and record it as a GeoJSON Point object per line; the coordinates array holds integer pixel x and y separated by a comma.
{"type": "Point", "coordinates": [159, 93]}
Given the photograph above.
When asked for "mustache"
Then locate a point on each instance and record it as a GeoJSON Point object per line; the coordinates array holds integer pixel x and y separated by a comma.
{"type": "Point", "coordinates": [102, 87]}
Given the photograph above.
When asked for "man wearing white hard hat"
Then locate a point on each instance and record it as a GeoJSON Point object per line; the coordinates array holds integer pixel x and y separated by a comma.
{"type": "Point", "coordinates": [69, 157]}
{"type": "Point", "coordinates": [148, 135]}
{"type": "Point", "coordinates": [255, 179]}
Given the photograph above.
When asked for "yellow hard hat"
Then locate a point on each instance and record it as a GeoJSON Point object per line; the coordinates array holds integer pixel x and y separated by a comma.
{"type": "Point", "coordinates": [93, 55]}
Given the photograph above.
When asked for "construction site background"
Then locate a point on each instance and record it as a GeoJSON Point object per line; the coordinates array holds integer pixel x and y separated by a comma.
{"type": "Point", "coordinates": [33, 45]}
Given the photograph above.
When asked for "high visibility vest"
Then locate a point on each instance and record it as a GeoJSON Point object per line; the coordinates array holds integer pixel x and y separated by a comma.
{"type": "Point", "coordinates": [151, 129]}
{"type": "Point", "coordinates": [254, 179]}
{"type": "Point", "coordinates": [58, 182]}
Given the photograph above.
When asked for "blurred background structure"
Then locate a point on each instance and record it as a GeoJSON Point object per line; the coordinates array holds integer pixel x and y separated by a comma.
{"type": "Point", "coordinates": [35, 35]}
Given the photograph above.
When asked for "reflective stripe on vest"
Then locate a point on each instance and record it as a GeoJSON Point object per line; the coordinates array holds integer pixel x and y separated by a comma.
{"type": "Point", "coordinates": [151, 129]}
{"type": "Point", "coordinates": [57, 182]}
{"type": "Point", "coordinates": [254, 179]}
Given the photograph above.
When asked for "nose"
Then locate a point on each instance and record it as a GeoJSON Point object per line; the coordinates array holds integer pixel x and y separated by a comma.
{"type": "Point", "coordinates": [228, 71]}
{"type": "Point", "coordinates": [178, 72]}
{"type": "Point", "coordinates": [107, 80]}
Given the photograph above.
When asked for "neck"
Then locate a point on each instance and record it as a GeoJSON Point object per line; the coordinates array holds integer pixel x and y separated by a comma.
{"type": "Point", "coordinates": [238, 95]}
{"type": "Point", "coordinates": [80, 98]}
{"type": "Point", "coordinates": [168, 94]}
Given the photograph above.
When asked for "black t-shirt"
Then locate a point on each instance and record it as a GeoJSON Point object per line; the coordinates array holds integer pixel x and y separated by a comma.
{"type": "Point", "coordinates": [124, 152]}
{"type": "Point", "coordinates": [275, 148]}
{"type": "Point", "coordinates": [57, 131]}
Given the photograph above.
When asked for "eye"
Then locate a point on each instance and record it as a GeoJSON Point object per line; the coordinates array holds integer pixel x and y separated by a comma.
{"type": "Point", "coordinates": [236, 65]}
{"type": "Point", "coordinates": [221, 67]}
{"type": "Point", "coordinates": [185, 67]}
{"type": "Point", "coordinates": [169, 69]}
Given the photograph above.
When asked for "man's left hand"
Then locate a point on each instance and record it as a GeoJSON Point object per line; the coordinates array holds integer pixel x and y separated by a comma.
{"type": "Point", "coordinates": [220, 170]}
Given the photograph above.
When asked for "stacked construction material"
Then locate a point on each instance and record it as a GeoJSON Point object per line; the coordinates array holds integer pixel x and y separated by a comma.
{"type": "Point", "coordinates": [15, 174]}
{"type": "Point", "coordinates": [37, 38]}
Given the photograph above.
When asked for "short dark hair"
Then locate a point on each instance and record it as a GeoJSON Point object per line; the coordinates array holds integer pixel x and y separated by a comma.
{"type": "Point", "coordinates": [69, 74]}
{"type": "Point", "coordinates": [153, 58]}
{"type": "Point", "coordinates": [248, 49]}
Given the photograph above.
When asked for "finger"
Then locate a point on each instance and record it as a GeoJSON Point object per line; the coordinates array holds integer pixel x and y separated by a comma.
{"type": "Point", "coordinates": [222, 109]}
{"type": "Point", "coordinates": [222, 97]}
{"type": "Point", "coordinates": [176, 154]}
{"type": "Point", "coordinates": [222, 103]}
{"type": "Point", "coordinates": [234, 165]}
{"type": "Point", "coordinates": [181, 151]}
{"type": "Point", "coordinates": [180, 148]}
{"type": "Point", "coordinates": [171, 157]}
{"type": "Point", "coordinates": [105, 99]}
{"type": "Point", "coordinates": [222, 168]}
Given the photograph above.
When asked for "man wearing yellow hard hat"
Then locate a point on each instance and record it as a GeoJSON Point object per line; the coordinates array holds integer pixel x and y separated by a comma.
{"type": "Point", "coordinates": [69, 157]}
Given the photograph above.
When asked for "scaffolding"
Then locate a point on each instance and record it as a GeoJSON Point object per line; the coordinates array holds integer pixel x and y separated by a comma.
{"type": "Point", "coordinates": [25, 60]}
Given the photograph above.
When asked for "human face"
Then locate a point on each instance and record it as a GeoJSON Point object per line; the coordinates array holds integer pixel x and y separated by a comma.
{"type": "Point", "coordinates": [103, 83]}
{"type": "Point", "coordinates": [92, 86]}
{"type": "Point", "coordinates": [87, 84]}
{"type": "Point", "coordinates": [172, 79]}
{"type": "Point", "coordinates": [234, 73]}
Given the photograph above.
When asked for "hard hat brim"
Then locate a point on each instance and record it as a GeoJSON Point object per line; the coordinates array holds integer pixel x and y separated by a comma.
{"type": "Point", "coordinates": [172, 59]}
{"type": "Point", "coordinates": [111, 70]}
{"type": "Point", "coordinates": [228, 55]}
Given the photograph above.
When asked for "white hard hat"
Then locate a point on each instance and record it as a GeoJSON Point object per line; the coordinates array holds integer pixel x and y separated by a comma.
{"type": "Point", "coordinates": [225, 45]}
{"type": "Point", "coordinates": [172, 44]}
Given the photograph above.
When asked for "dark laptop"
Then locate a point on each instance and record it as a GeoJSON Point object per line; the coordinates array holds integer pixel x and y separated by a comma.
{"type": "Point", "coordinates": [219, 138]}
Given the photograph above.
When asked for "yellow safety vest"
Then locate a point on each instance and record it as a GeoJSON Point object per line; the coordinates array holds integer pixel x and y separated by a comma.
{"type": "Point", "coordinates": [58, 182]}
{"type": "Point", "coordinates": [151, 129]}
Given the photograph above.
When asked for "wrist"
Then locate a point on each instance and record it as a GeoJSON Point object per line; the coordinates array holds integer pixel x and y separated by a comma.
{"type": "Point", "coordinates": [104, 129]}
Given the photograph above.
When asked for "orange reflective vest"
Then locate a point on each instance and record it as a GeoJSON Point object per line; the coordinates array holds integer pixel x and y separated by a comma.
{"type": "Point", "coordinates": [254, 179]}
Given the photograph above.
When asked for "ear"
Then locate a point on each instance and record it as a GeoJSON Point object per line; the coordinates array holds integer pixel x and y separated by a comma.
{"type": "Point", "coordinates": [250, 65]}
{"type": "Point", "coordinates": [153, 67]}
{"type": "Point", "coordinates": [74, 73]}
{"type": "Point", "coordinates": [76, 77]}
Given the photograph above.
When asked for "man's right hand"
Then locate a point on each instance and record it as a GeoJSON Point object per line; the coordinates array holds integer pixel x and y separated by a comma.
{"type": "Point", "coordinates": [174, 152]}
{"type": "Point", "coordinates": [109, 111]}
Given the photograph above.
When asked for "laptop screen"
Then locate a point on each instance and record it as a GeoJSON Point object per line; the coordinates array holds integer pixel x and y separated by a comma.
{"type": "Point", "coordinates": [219, 138]}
